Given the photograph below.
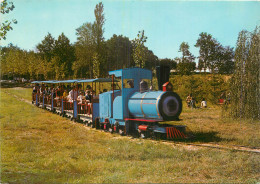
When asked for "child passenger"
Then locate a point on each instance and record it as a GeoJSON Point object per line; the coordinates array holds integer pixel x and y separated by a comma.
{"type": "Point", "coordinates": [81, 98]}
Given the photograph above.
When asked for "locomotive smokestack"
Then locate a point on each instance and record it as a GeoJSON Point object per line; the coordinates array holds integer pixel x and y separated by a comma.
{"type": "Point", "coordinates": [162, 73]}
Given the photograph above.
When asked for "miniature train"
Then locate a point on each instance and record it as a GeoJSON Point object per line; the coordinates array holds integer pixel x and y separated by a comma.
{"type": "Point", "coordinates": [129, 108]}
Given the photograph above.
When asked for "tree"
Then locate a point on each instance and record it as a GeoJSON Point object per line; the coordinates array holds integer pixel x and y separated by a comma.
{"type": "Point", "coordinates": [139, 50]}
{"type": "Point", "coordinates": [6, 25]}
{"type": "Point", "coordinates": [225, 63]}
{"type": "Point", "coordinates": [169, 62]}
{"type": "Point", "coordinates": [46, 47]}
{"type": "Point", "coordinates": [186, 63]}
{"type": "Point", "coordinates": [4, 54]}
{"type": "Point", "coordinates": [151, 60]}
{"type": "Point", "coordinates": [98, 25]}
{"type": "Point", "coordinates": [119, 52]}
{"type": "Point", "coordinates": [64, 53]}
{"type": "Point", "coordinates": [208, 46]}
{"type": "Point", "coordinates": [84, 51]}
{"type": "Point", "coordinates": [214, 56]}
{"type": "Point", "coordinates": [14, 62]}
{"type": "Point", "coordinates": [32, 65]}
{"type": "Point", "coordinates": [245, 83]}
{"type": "Point", "coordinates": [98, 30]}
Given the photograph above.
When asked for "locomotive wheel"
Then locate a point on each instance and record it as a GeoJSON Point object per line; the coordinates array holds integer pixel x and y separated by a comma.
{"type": "Point", "coordinates": [111, 129]}
{"type": "Point", "coordinates": [116, 127]}
{"type": "Point", "coordinates": [143, 135]}
{"type": "Point", "coordinates": [121, 132]}
{"type": "Point", "coordinates": [97, 123]}
{"type": "Point", "coordinates": [92, 124]}
{"type": "Point", "coordinates": [106, 127]}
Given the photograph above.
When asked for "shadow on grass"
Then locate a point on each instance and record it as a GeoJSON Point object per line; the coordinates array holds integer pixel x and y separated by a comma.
{"type": "Point", "coordinates": [204, 137]}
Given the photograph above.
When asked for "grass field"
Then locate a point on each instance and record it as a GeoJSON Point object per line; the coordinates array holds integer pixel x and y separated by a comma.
{"type": "Point", "coordinates": [40, 147]}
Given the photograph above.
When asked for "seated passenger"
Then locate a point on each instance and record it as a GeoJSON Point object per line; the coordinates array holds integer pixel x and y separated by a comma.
{"type": "Point", "coordinates": [70, 96]}
{"type": "Point", "coordinates": [94, 95]}
{"type": "Point", "coordinates": [81, 98]}
{"type": "Point", "coordinates": [57, 92]}
{"type": "Point", "coordinates": [89, 88]}
{"type": "Point", "coordinates": [130, 83]}
{"type": "Point", "coordinates": [34, 89]}
{"type": "Point", "coordinates": [42, 90]}
{"type": "Point", "coordinates": [65, 94]}
{"type": "Point", "coordinates": [88, 97]}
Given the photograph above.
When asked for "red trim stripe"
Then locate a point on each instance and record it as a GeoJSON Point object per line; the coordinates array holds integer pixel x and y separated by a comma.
{"type": "Point", "coordinates": [146, 120]}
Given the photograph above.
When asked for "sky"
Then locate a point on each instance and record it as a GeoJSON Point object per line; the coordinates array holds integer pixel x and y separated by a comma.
{"type": "Point", "coordinates": [166, 23]}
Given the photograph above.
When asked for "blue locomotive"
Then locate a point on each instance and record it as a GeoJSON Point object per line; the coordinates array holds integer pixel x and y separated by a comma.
{"type": "Point", "coordinates": [130, 108]}
{"type": "Point", "coordinates": [136, 109]}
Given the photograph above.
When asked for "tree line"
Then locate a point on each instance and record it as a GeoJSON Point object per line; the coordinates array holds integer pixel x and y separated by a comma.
{"type": "Point", "coordinates": [92, 56]}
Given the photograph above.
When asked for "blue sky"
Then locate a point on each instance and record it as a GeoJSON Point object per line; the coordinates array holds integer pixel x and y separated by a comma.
{"type": "Point", "coordinates": [166, 23]}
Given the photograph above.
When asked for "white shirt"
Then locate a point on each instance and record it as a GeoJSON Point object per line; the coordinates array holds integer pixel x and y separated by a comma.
{"type": "Point", "coordinates": [203, 104]}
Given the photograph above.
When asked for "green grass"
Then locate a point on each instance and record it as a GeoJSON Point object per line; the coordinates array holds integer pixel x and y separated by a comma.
{"type": "Point", "coordinates": [209, 125]}
{"type": "Point", "coordinates": [25, 93]}
{"type": "Point", "coordinates": [40, 147]}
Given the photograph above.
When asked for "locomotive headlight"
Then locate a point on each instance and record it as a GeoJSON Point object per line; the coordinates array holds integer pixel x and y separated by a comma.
{"type": "Point", "coordinates": [170, 106]}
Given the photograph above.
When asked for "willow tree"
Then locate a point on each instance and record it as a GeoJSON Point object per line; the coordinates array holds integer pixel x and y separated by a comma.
{"type": "Point", "coordinates": [245, 83]}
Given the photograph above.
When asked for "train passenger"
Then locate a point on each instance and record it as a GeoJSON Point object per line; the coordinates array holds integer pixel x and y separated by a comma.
{"type": "Point", "coordinates": [89, 88]}
{"type": "Point", "coordinates": [81, 98]}
{"type": "Point", "coordinates": [47, 94]}
{"type": "Point", "coordinates": [130, 83]}
{"type": "Point", "coordinates": [59, 92]}
{"type": "Point", "coordinates": [88, 96]}
{"type": "Point", "coordinates": [65, 94]}
{"type": "Point", "coordinates": [35, 89]}
{"type": "Point", "coordinates": [42, 89]}
{"type": "Point", "coordinates": [58, 96]}
{"type": "Point", "coordinates": [94, 95]}
{"type": "Point", "coordinates": [70, 97]}
{"type": "Point", "coordinates": [73, 94]}
{"type": "Point", "coordinates": [62, 89]}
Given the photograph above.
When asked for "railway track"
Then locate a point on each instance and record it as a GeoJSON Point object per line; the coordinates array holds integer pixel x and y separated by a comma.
{"type": "Point", "coordinates": [178, 143]}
